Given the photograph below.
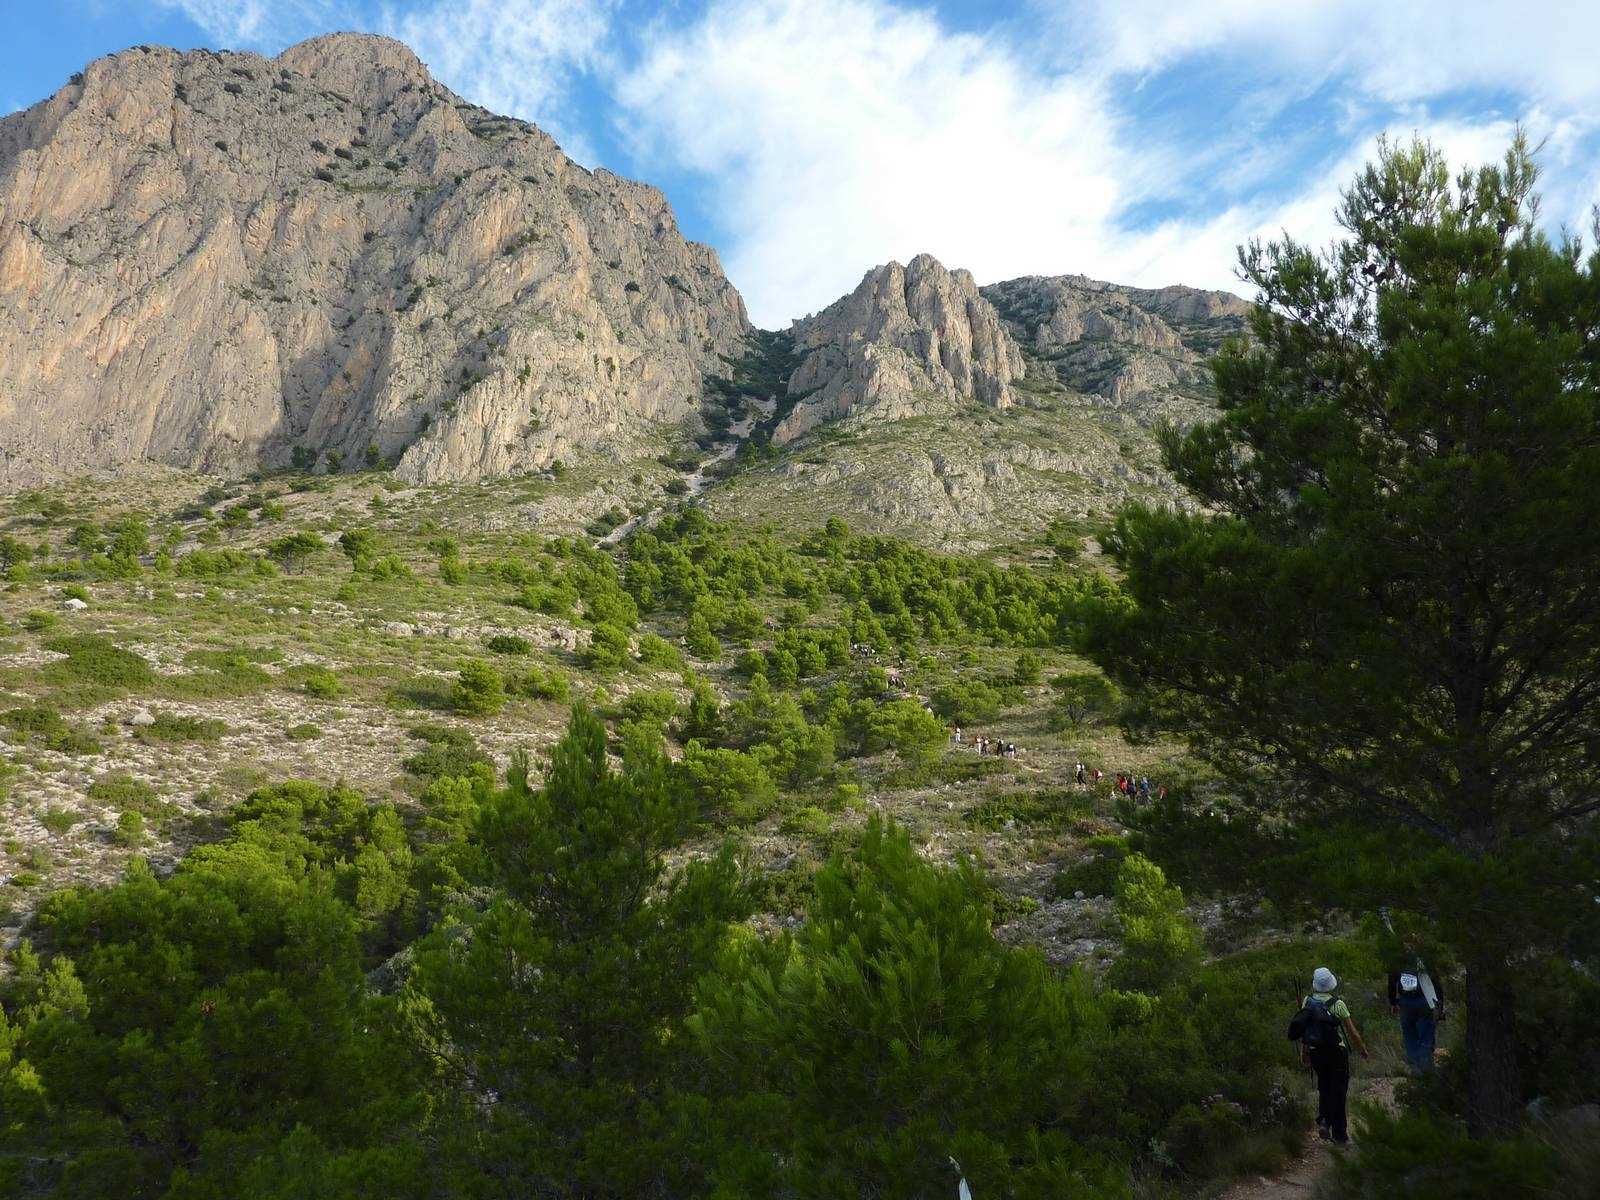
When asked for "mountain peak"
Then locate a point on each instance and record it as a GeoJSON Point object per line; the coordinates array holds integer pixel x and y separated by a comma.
{"type": "Point", "coordinates": [910, 339]}
{"type": "Point", "coordinates": [354, 56]}
{"type": "Point", "coordinates": [221, 261]}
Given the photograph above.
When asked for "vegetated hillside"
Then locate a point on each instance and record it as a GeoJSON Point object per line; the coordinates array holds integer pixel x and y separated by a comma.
{"type": "Point", "coordinates": [220, 261]}
{"type": "Point", "coordinates": [324, 680]}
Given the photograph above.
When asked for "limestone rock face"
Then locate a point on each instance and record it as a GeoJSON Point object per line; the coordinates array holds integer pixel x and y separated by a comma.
{"type": "Point", "coordinates": [910, 340]}
{"type": "Point", "coordinates": [1139, 350]}
{"type": "Point", "coordinates": [217, 260]}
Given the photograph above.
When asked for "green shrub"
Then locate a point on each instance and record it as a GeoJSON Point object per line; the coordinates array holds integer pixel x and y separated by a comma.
{"type": "Point", "coordinates": [966, 702]}
{"type": "Point", "coordinates": [729, 782]}
{"type": "Point", "coordinates": [607, 649]}
{"type": "Point", "coordinates": [1160, 945]}
{"type": "Point", "coordinates": [319, 682]}
{"type": "Point", "coordinates": [41, 725]}
{"type": "Point", "coordinates": [508, 643]}
{"type": "Point", "coordinates": [96, 660]}
{"type": "Point", "coordinates": [702, 643]}
{"type": "Point", "coordinates": [657, 706]}
{"type": "Point", "coordinates": [448, 753]}
{"type": "Point", "coordinates": [1028, 669]}
{"type": "Point", "coordinates": [1046, 808]}
{"type": "Point", "coordinates": [1096, 873]}
{"type": "Point", "coordinates": [36, 621]}
{"type": "Point", "coordinates": [542, 684]}
{"type": "Point", "coordinates": [1082, 698]}
{"type": "Point", "coordinates": [1414, 1154]}
{"type": "Point", "coordinates": [124, 791]}
{"type": "Point", "coordinates": [59, 820]}
{"type": "Point", "coordinates": [479, 690]}
{"type": "Point", "coordinates": [656, 651]}
{"type": "Point", "coordinates": [130, 828]}
{"type": "Point", "coordinates": [176, 727]}
{"type": "Point", "coordinates": [303, 732]}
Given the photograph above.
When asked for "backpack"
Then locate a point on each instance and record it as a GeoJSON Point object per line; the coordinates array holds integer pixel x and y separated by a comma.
{"type": "Point", "coordinates": [1314, 1026]}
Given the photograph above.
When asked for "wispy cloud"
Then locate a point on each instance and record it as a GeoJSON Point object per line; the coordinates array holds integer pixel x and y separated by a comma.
{"type": "Point", "coordinates": [514, 56]}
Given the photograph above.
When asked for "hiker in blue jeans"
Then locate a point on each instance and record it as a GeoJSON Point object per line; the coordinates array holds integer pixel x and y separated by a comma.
{"type": "Point", "coordinates": [1416, 998]}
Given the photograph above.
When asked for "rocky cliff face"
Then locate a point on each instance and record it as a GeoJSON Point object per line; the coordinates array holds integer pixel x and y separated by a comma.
{"type": "Point", "coordinates": [215, 260]}
{"type": "Point", "coordinates": [1140, 351]}
{"type": "Point", "coordinates": [910, 340]}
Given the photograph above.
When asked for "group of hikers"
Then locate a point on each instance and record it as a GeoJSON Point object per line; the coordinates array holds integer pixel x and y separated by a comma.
{"type": "Point", "coordinates": [1134, 787]}
{"type": "Point", "coordinates": [985, 744]}
{"type": "Point", "coordinates": [1327, 1033]}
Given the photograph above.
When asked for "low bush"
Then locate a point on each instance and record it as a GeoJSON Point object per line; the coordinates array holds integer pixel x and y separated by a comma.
{"type": "Point", "coordinates": [448, 753]}
{"type": "Point", "coordinates": [1096, 873]}
{"type": "Point", "coordinates": [130, 828]}
{"type": "Point", "coordinates": [479, 690]}
{"type": "Point", "coordinates": [177, 727]}
{"type": "Point", "coordinates": [1045, 808]}
{"type": "Point", "coordinates": [1415, 1154]}
{"type": "Point", "coordinates": [303, 732]}
{"type": "Point", "coordinates": [59, 820]}
{"type": "Point", "coordinates": [656, 651]}
{"type": "Point", "coordinates": [96, 660]}
{"type": "Point", "coordinates": [966, 702]}
{"type": "Point", "coordinates": [316, 681]}
{"type": "Point", "coordinates": [508, 643]}
{"type": "Point", "coordinates": [124, 791]}
{"type": "Point", "coordinates": [541, 684]}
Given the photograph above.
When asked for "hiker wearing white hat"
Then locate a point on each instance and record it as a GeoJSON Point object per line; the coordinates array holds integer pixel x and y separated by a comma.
{"type": "Point", "coordinates": [1325, 1031]}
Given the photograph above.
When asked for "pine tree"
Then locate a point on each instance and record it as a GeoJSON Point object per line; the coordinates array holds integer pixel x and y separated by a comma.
{"type": "Point", "coordinates": [1392, 606]}
{"type": "Point", "coordinates": [556, 1006]}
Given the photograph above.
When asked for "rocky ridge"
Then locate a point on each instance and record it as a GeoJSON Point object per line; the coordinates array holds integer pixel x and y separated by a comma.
{"type": "Point", "coordinates": [909, 341]}
{"type": "Point", "coordinates": [1139, 351]}
{"type": "Point", "coordinates": [220, 261]}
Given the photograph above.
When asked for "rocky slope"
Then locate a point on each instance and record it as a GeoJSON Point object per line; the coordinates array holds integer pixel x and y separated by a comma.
{"type": "Point", "coordinates": [1138, 351]}
{"type": "Point", "coordinates": [909, 341]}
{"type": "Point", "coordinates": [218, 260]}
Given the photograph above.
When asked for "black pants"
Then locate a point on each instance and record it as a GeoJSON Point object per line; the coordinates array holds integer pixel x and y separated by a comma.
{"type": "Point", "coordinates": [1333, 1084]}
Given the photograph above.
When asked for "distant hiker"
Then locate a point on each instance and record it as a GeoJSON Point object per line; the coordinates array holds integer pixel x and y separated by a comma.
{"type": "Point", "coordinates": [1079, 775]}
{"type": "Point", "coordinates": [1098, 776]}
{"type": "Point", "coordinates": [1325, 1031]}
{"type": "Point", "coordinates": [955, 734]}
{"type": "Point", "coordinates": [1415, 997]}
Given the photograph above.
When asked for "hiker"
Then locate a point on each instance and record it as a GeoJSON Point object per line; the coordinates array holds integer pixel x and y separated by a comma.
{"type": "Point", "coordinates": [1078, 775]}
{"type": "Point", "coordinates": [955, 734]}
{"type": "Point", "coordinates": [1325, 1031]}
{"type": "Point", "coordinates": [1415, 997]}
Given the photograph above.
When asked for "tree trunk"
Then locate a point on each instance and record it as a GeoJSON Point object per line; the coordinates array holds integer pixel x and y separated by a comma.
{"type": "Point", "coordinates": [1494, 1083]}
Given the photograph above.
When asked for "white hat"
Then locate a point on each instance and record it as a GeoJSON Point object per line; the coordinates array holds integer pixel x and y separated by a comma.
{"type": "Point", "coordinates": [1323, 980]}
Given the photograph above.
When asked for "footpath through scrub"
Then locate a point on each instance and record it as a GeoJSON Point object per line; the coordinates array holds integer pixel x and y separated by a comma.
{"type": "Point", "coordinates": [1300, 1177]}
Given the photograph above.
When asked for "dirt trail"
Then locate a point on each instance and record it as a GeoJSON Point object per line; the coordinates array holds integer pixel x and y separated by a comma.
{"type": "Point", "coordinates": [701, 478]}
{"type": "Point", "coordinates": [1298, 1180]}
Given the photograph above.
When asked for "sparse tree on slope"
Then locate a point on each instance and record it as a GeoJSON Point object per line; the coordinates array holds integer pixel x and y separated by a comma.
{"type": "Point", "coordinates": [1394, 604]}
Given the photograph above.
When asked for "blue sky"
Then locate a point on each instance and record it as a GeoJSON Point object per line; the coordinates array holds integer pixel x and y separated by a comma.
{"type": "Point", "coordinates": [807, 140]}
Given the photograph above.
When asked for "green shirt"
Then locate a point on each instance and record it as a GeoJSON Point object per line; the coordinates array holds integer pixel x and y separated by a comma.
{"type": "Point", "coordinates": [1340, 1011]}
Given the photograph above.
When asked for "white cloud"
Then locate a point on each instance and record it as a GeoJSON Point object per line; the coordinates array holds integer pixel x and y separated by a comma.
{"type": "Point", "coordinates": [841, 133]}
{"type": "Point", "coordinates": [513, 56]}
{"type": "Point", "coordinates": [1395, 49]}
{"type": "Point", "coordinates": [845, 132]}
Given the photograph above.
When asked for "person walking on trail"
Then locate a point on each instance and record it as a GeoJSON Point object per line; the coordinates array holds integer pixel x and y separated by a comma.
{"type": "Point", "coordinates": [1326, 1032]}
{"type": "Point", "coordinates": [1416, 998]}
